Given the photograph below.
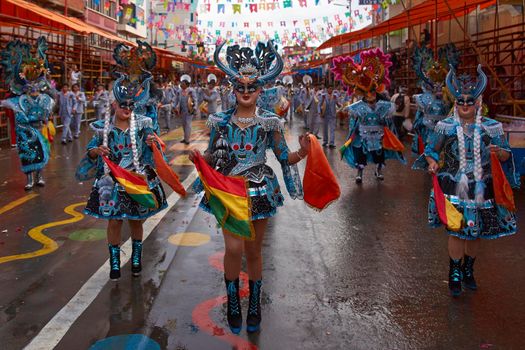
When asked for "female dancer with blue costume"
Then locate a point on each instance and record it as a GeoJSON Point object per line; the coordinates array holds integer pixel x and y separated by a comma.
{"type": "Point", "coordinates": [458, 151]}
{"type": "Point", "coordinates": [238, 143]}
{"type": "Point", "coordinates": [32, 104]}
{"type": "Point", "coordinates": [125, 141]}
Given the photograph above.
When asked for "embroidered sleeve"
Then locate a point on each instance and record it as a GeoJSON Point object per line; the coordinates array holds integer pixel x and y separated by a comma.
{"type": "Point", "coordinates": [434, 145]}
{"type": "Point", "coordinates": [88, 168]}
{"type": "Point", "coordinates": [291, 175]}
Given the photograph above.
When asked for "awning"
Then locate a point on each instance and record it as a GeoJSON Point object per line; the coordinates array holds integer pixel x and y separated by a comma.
{"type": "Point", "coordinates": [95, 30]}
{"type": "Point", "coordinates": [419, 14]}
{"type": "Point", "coordinates": [31, 12]}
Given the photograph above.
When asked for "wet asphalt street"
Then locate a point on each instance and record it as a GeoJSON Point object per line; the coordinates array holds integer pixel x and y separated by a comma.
{"type": "Point", "coordinates": [366, 273]}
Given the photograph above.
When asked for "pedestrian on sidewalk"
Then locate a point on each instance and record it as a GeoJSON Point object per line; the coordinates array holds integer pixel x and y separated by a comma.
{"type": "Point", "coordinates": [186, 106]}
{"type": "Point", "coordinates": [329, 106]}
{"type": "Point", "coordinates": [31, 103]}
{"type": "Point", "coordinates": [238, 142]}
{"type": "Point", "coordinates": [78, 110]}
{"type": "Point", "coordinates": [126, 141]}
{"type": "Point", "coordinates": [459, 152]}
{"type": "Point", "coordinates": [371, 117]}
{"type": "Point", "coordinates": [66, 103]}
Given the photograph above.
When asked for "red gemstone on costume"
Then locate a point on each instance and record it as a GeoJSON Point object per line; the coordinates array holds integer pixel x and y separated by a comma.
{"type": "Point", "coordinates": [235, 147]}
{"type": "Point", "coordinates": [248, 147]}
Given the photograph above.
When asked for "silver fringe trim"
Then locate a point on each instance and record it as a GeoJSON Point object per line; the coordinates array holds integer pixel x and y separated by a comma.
{"type": "Point", "coordinates": [445, 128]}
{"type": "Point", "coordinates": [493, 130]}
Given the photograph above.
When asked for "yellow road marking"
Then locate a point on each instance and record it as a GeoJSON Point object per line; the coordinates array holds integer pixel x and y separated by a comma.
{"type": "Point", "coordinates": [17, 202]}
{"type": "Point", "coordinates": [189, 239]}
{"type": "Point", "coordinates": [49, 245]}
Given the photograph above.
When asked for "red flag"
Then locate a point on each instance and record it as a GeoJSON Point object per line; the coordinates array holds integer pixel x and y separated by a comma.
{"type": "Point", "coordinates": [420, 145]}
{"type": "Point", "coordinates": [502, 190]}
{"type": "Point", "coordinates": [391, 142]}
{"type": "Point", "coordinates": [319, 183]}
{"type": "Point", "coordinates": [165, 172]}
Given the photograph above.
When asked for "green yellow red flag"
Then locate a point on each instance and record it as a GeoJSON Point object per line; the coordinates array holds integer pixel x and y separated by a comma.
{"type": "Point", "coordinates": [347, 144]}
{"type": "Point", "coordinates": [228, 199]}
{"type": "Point", "coordinates": [134, 185]}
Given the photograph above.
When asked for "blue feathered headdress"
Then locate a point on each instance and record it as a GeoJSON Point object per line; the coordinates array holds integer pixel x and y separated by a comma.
{"type": "Point", "coordinates": [25, 72]}
{"type": "Point", "coordinates": [465, 84]}
{"type": "Point", "coordinates": [247, 66]}
{"type": "Point", "coordinates": [432, 73]}
{"type": "Point", "coordinates": [134, 72]}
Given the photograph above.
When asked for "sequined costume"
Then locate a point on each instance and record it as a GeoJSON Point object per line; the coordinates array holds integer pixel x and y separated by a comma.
{"type": "Point", "coordinates": [366, 128]}
{"type": "Point", "coordinates": [27, 76]}
{"type": "Point", "coordinates": [242, 151]}
{"type": "Point", "coordinates": [433, 104]}
{"type": "Point", "coordinates": [108, 199]}
{"type": "Point", "coordinates": [430, 110]}
{"type": "Point", "coordinates": [482, 220]}
{"type": "Point", "coordinates": [30, 113]}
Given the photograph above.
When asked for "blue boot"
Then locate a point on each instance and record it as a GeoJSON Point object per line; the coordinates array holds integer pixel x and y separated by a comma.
{"type": "Point", "coordinates": [468, 273]}
{"type": "Point", "coordinates": [454, 277]}
{"type": "Point", "coordinates": [114, 262]}
{"type": "Point", "coordinates": [253, 321]}
{"type": "Point", "coordinates": [234, 314]}
{"type": "Point", "coordinates": [136, 257]}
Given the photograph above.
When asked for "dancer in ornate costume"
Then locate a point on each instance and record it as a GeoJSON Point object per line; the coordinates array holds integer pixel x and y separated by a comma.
{"type": "Point", "coordinates": [434, 104]}
{"type": "Point", "coordinates": [371, 117]}
{"type": "Point", "coordinates": [238, 142]}
{"type": "Point", "coordinates": [459, 153]}
{"type": "Point", "coordinates": [32, 104]}
{"type": "Point", "coordinates": [126, 142]}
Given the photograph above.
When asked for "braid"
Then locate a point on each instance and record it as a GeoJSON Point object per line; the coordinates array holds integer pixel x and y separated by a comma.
{"type": "Point", "coordinates": [105, 135]}
{"type": "Point", "coordinates": [462, 185]}
{"type": "Point", "coordinates": [133, 136]}
{"type": "Point", "coordinates": [462, 188]}
{"type": "Point", "coordinates": [478, 169]}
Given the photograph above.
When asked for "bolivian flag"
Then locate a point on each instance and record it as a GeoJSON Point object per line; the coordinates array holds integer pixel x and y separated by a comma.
{"type": "Point", "coordinates": [448, 214]}
{"type": "Point", "coordinates": [134, 185]}
{"type": "Point", "coordinates": [228, 199]}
